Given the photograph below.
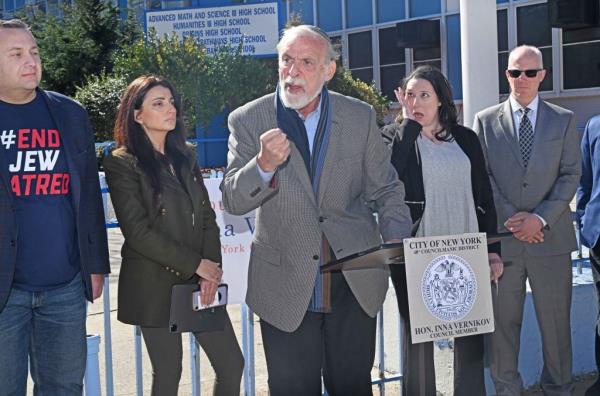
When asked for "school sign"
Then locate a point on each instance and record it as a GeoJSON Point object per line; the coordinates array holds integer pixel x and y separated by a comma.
{"type": "Point", "coordinates": [253, 26]}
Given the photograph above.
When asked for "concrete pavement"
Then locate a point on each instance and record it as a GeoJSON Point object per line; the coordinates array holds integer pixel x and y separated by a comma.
{"type": "Point", "coordinates": [123, 361]}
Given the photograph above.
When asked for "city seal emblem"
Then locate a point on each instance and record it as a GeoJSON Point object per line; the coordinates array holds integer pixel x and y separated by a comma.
{"type": "Point", "coordinates": [449, 287]}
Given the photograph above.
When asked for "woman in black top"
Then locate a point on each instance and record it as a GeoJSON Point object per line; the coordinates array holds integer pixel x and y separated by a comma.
{"type": "Point", "coordinates": [433, 155]}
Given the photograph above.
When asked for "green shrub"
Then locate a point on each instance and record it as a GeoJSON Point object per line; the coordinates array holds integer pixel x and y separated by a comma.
{"type": "Point", "coordinates": [209, 84]}
{"type": "Point", "coordinates": [82, 42]}
{"type": "Point", "coordinates": [344, 83]}
{"type": "Point", "coordinates": [222, 81]}
{"type": "Point", "coordinates": [101, 96]}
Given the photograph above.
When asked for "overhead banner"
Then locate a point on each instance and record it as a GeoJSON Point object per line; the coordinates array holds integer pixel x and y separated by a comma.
{"type": "Point", "coordinates": [449, 290]}
{"type": "Point", "coordinates": [236, 240]}
{"type": "Point", "coordinates": [254, 26]}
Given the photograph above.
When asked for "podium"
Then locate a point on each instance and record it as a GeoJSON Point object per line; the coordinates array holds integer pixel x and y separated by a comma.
{"type": "Point", "coordinates": [385, 254]}
{"type": "Point", "coordinates": [377, 257]}
{"type": "Point", "coordinates": [447, 281]}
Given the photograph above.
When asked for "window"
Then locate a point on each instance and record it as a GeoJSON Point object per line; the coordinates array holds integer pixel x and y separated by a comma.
{"type": "Point", "coordinates": [452, 6]}
{"type": "Point", "coordinates": [360, 56]}
{"type": "Point", "coordinates": [454, 55]}
{"type": "Point", "coordinates": [390, 10]}
{"type": "Point", "coordinates": [153, 4]}
{"type": "Point", "coordinates": [424, 7]}
{"type": "Point", "coordinates": [503, 50]}
{"type": "Point", "coordinates": [329, 15]}
{"type": "Point", "coordinates": [176, 3]}
{"type": "Point", "coordinates": [336, 41]}
{"type": "Point", "coordinates": [581, 58]}
{"type": "Point", "coordinates": [214, 3]}
{"type": "Point", "coordinates": [9, 6]}
{"type": "Point", "coordinates": [54, 7]}
{"type": "Point", "coordinates": [392, 61]}
{"type": "Point", "coordinates": [302, 9]}
{"type": "Point", "coordinates": [427, 56]}
{"type": "Point", "coordinates": [533, 28]}
{"type": "Point", "coordinates": [358, 13]}
{"type": "Point", "coordinates": [137, 7]}
{"type": "Point", "coordinates": [40, 6]}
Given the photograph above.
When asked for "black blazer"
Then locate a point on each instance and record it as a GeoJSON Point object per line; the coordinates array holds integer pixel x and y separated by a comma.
{"type": "Point", "coordinates": [406, 160]}
{"type": "Point", "coordinates": [76, 134]}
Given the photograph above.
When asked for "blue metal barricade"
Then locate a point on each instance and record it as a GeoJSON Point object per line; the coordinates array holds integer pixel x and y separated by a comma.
{"type": "Point", "coordinates": [247, 336]}
{"type": "Point", "coordinates": [92, 369]}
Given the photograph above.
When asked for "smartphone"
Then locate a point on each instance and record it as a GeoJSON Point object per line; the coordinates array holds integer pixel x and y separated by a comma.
{"type": "Point", "coordinates": [220, 298]}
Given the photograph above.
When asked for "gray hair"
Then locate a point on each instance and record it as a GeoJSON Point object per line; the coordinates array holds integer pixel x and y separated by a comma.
{"type": "Point", "coordinates": [527, 49]}
{"type": "Point", "coordinates": [311, 31]}
{"type": "Point", "coordinates": [14, 24]}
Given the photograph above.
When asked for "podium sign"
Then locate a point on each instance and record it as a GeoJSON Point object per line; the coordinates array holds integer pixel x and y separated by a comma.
{"type": "Point", "coordinates": [448, 283]}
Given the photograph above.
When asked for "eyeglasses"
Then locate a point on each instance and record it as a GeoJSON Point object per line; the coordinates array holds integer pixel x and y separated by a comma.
{"type": "Point", "coordinates": [515, 73]}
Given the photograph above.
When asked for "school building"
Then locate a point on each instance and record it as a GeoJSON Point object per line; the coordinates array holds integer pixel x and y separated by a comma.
{"type": "Point", "coordinates": [367, 34]}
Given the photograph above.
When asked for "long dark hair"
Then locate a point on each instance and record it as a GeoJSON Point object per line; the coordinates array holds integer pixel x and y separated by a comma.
{"type": "Point", "coordinates": [130, 134]}
{"type": "Point", "coordinates": [447, 115]}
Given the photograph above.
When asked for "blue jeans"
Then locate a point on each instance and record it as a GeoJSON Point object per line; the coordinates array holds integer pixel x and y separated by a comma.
{"type": "Point", "coordinates": [48, 328]}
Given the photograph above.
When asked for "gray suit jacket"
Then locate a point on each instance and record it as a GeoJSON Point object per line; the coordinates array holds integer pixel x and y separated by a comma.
{"type": "Point", "coordinates": [357, 180]}
{"type": "Point", "coordinates": [546, 186]}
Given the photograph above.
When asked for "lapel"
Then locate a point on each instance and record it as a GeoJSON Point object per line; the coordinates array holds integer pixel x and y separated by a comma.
{"type": "Point", "coordinates": [5, 175]}
{"type": "Point", "coordinates": [60, 116]}
{"type": "Point", "coordinates": [191, 185]}
{"type": "Point", "coordinates": [295, 163]}
{"type": "Point", "coordinates": [167, 179]}
{"type": "Point", "coordinates": [507, 129]}
{"type": "Point", "coordinates": [543, 123]}
{"type": "Point", "coordinates": [332, 153]}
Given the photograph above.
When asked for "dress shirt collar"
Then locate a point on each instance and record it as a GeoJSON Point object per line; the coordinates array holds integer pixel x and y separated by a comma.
{"type": "Point", "coordinates": [533, 105]}
{"type": "Point", "coordinates": [315, 113]}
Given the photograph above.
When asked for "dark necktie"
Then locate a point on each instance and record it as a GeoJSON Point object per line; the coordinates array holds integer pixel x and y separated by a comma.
{"type": "Point", "coordinates": [525, 135]}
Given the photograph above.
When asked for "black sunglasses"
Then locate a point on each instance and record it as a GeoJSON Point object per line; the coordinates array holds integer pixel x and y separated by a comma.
{"type": "Point", "coordinates": [515, 73]}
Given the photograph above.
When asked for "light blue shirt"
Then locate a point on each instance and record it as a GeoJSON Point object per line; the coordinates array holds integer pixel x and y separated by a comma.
{"type": "Point", "coordinates": [516, 114]}
{"type": "Point", "coordinates": [311, 123]}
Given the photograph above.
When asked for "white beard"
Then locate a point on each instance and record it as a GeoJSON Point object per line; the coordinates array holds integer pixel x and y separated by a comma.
{"type": "Point", "coordinates": [296, 101]}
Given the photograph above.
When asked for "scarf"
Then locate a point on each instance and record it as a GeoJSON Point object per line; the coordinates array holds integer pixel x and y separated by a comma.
{"type": "Point", "coordinates": [289, 121]}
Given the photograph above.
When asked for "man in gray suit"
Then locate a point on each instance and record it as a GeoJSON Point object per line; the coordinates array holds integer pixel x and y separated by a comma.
{"type": "Point", "coordinates": [534, 163]}
{"type": "Point", "coordinates": [313, 163]}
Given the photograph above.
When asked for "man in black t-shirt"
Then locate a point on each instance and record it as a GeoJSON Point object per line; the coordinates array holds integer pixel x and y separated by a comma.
{"type": "Point", "coordinates": [53, 244]}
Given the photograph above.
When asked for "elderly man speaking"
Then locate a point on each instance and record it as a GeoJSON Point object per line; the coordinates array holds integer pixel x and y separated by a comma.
{"type": "Point", "coordinates": [314, 164]}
